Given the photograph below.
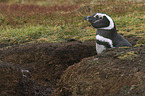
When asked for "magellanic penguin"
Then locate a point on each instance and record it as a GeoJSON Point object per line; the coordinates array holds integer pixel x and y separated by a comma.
{"type": "Point", "coordinates": [106, 35]}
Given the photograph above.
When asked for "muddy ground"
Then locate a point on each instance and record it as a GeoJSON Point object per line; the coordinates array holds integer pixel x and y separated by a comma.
{"type": "Point", "coordinates": [46, 62]}
{"type": "Point", "coordinates": [51, 69]}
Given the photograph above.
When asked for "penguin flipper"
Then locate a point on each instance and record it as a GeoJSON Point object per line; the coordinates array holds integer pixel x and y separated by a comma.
{"type": "Point", "coordinates": [123, 43]}
{"type": "Point", "coordinates": [118, 45]}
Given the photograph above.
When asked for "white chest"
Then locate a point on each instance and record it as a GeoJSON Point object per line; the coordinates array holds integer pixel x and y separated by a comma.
{"type": "Point", "coordinates": [100, 48]}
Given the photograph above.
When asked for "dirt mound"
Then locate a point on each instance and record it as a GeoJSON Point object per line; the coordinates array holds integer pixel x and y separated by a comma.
{"type": "Point", "coordinates": [15, 81]}
{"type": "Point", "coordinates": [115, 72]}
{"type": "Point", "coordinates": [46, 62]}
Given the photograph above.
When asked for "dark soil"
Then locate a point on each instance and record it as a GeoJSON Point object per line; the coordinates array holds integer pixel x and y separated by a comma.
{"type": "Point", "coordinates": [115, 72]}
{"type": "Point", "coordinates": [47, 65]}
{"type": "Point", "coordinates": [46, 62]}
{"type": "Point", "coordinates": [15, 81]}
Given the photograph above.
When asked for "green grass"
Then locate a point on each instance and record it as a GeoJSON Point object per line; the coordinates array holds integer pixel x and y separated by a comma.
{"type": "Point", "coordinates": [28, 23]}
{"type": "Point", "coordinates": [44, 34]}
{"type": "Point", "coordinates": [128, 56]}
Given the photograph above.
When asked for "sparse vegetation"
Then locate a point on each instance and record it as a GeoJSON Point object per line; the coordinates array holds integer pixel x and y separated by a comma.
{"type": "Point", "coordinates": [128, 56]}
{"type": "Point", "coordinates": [107, 76]}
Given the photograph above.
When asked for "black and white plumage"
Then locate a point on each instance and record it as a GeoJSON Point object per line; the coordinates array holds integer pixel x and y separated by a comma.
{"type": "Point", "coordinates": [106, 35]}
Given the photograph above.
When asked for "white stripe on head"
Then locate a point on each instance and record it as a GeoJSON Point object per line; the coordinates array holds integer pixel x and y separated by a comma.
{"type": "Point", "coordinates": [111, 26]}
{"type": "Point", "coordinates": [101, 38]}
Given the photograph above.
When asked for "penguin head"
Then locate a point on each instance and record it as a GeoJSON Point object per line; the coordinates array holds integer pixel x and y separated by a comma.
{"type": "Point", "coordinates": [101, 21]}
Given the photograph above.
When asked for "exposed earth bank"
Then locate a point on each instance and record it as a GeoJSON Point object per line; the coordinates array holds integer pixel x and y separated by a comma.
{"type": "Point", "coordinates": [115, 72]}
{"type": "Point", "coordinates": [45, 63]}
{"type": "Point", "coordinates": [55, 69]}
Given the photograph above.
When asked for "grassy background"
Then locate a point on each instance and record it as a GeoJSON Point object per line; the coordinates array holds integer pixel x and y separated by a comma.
{"type": "Point", "coordinates": [30, 21]}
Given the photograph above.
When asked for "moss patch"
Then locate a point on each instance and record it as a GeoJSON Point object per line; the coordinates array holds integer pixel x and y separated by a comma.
{"type": "Point", "coordinates": [128, 56]}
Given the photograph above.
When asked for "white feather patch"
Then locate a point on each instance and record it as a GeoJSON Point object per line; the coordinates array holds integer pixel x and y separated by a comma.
{"type": "Point", "coordinates": [101, 38]}
{"type": "Point", "coordinates": [111, 25]}
{"type": "Point", "coordinates": [100, 48]}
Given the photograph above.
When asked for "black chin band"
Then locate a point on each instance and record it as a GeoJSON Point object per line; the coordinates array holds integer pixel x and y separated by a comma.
{"type": "Point", "coordinates": [106, 44]}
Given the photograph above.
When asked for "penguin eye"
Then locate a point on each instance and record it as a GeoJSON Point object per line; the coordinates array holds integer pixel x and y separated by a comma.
{"type": "Point", "coordinates": [101, 18]}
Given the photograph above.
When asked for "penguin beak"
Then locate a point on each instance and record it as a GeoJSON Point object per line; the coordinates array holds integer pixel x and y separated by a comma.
{"type": "Point", "coordinates": [86, 18]}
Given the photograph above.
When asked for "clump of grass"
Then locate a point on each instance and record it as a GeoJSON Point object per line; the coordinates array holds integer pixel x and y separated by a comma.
{"type": "Point", "coordinates": [141, 41]}
{"type": "Point", "coordinates": [128, 56]}
{"type": "Point", "coordinates": [27, 33]}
